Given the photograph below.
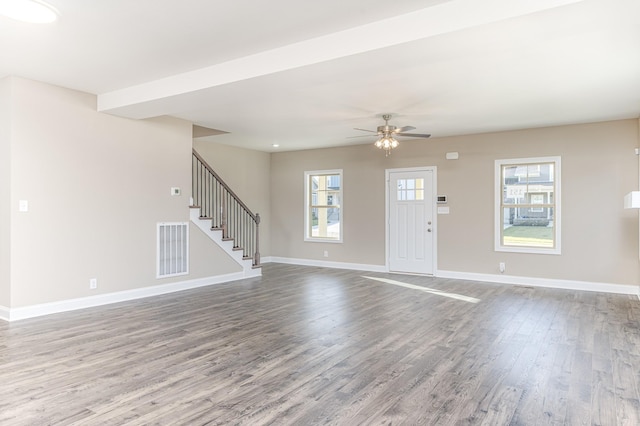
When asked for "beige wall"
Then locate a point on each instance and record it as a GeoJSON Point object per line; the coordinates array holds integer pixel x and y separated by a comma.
{"type": "Point", "coordinates": [247, 173]}
{"type": "Point", "coordinates": [207, 258]}
{"type": "Point", "coordinates": [362, 204]}
{"type": "Point", "coordinates": [97, 185]}
{"type": "Point", "coordinates": [599, 237]}
{"type": "Point", "coordinates": [5, 193]}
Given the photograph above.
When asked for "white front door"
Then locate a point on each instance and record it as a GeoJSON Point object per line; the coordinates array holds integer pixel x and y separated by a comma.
{"type": "Point", "coordinates": [411, 220]}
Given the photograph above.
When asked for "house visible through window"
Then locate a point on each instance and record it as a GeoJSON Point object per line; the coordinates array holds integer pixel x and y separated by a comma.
{"type": "Point", "coordinates": [528, 205]}
{"type": "Point", "coordinates": [323, 210]}
{"type": "Point", "coordinates": [537, 199]}
{"type": "Point", "coordinates": [411, 189]}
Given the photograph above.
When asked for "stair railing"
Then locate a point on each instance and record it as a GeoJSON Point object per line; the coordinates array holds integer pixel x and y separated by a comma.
{"type": "Point", "coordinates": [225, 209]}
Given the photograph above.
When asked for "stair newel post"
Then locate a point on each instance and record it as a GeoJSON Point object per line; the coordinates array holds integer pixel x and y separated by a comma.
{"type": "Point", "coordinates": [256, 257]}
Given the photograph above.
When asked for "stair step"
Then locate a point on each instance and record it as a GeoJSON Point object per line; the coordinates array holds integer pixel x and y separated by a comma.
{"type": "Point", "coordinates": [246, 262]}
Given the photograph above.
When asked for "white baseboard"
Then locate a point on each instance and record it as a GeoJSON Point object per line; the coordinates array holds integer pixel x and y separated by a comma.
{"type": "Point", "coordinates": [33, 311]}
{"type": "Point", "coordinates": [542, 282]}
{"type": "Point", "coordinates": [327, 264]}
{"type": "Point", "coordinates": [471, 276]}
{"type": "Point", "coordinates": [120, 296]}
{"type": "Point", "coordinates": [4, 313]}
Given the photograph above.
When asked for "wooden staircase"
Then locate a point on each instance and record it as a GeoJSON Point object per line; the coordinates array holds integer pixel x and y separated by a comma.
{"type": "Point", "coordinates": [222, 216]}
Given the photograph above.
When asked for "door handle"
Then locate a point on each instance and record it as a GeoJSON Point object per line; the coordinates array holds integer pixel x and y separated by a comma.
{"type": "Point", "coordinates": [428, 229]}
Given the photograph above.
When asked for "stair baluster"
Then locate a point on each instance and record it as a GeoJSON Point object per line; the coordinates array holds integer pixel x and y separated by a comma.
{"type": "Point", "coordinates": [227, 212]}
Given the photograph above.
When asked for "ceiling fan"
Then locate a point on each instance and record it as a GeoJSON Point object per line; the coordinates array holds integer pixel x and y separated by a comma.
{"type": "Point", "coordinates": [387, 134]}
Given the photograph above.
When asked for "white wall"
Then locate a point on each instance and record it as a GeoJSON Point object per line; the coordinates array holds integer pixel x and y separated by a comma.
{"type": "Point", "coordinates": [599, 166]}
{"type": "Point", "coordinates": [96, 185]}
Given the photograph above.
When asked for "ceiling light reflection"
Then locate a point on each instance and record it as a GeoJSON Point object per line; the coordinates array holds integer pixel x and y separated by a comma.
{"type": "Point", "coordinates": [32, 11]}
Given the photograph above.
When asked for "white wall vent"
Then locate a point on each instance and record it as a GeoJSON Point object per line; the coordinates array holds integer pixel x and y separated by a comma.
{"type": "Point", "coordinates": [173, 249]}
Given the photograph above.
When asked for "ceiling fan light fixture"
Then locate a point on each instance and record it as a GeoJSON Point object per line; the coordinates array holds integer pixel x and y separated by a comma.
{"type": "Point", "coordinates": [31, 11]}
{"type": "Point", "coordinates": [386, 133]}
{"type": "Point", "coordinates": [387, 143]}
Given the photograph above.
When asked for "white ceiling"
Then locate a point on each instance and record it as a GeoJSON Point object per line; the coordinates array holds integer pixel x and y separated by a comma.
{"type": "Point", "coordinates": [304, 74]}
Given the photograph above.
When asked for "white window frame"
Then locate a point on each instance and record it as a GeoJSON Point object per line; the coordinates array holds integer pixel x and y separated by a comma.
{"type": "Point", "coordinates": [307, 205]}
{"type": "Point", "coordinates": [499, 211]}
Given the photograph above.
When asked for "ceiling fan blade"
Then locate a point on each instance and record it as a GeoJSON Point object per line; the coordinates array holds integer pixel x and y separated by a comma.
{"type": "Point", "coordinates": [418, 135]}
{"type": "Point", "coordinates": [360, 136]}
{"type": "Point", "coordinates": [365, 130]}
{"type": "Point", "coordinates": [404, 129]}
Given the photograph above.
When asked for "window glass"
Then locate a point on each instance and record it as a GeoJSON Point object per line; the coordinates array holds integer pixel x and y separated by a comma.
{"type": "Point", "coordinates": [527, 197]}
{"type": "Point", "coordinates": [323, 206]}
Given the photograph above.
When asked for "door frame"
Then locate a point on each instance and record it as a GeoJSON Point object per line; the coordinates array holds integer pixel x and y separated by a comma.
{"type": "Point", "coordinates": [434, 212]}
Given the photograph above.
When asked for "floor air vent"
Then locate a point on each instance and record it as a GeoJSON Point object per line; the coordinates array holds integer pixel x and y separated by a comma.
{"type": "Point", "coordinates": [173, 249]}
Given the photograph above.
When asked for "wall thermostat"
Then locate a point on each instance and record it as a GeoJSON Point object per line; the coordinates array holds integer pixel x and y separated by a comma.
{"type": "Point", "coordinates": [441, 199]}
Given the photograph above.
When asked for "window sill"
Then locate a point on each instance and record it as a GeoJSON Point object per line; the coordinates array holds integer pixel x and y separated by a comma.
{"type": "Point", "coordinates": [528, 250]}
{"type": "Point", "coordinates": [322, 240]}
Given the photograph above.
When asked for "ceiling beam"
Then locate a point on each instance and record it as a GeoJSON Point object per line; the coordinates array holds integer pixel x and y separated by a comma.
{"type": "Point", "coordinates": [159, 97]}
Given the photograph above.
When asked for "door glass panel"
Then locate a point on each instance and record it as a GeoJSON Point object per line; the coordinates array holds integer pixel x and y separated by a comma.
{"type": "Point", "coordinates": [402, 185]}
{"type": "Point", "coordinates": [410, 189]}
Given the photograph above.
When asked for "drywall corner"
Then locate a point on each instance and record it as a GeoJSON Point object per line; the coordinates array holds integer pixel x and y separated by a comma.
{"type": "Point", "coordinates": [5, 192]}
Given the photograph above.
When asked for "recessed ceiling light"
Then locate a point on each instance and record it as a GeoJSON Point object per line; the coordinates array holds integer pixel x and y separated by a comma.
{"type": "Point", "coordinates": [33, 11]}
{"type": "Point", "coordinates": [275, 145]}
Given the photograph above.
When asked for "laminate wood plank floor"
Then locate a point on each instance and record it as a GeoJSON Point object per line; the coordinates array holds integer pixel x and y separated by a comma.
{"type": "Point", "coordinates": [306, 346]}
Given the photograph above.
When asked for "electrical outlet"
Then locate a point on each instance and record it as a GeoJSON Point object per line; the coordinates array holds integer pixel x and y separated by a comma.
{"type": "Point", "coordinates": [326, 253]}
{"type": "Point", "coordinates": [502, 267]}
{"type": "Point", "coordinates": [93, 283]}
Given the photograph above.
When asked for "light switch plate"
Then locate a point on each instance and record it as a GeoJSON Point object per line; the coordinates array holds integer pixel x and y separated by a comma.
{"type": "Point", "coordinates": [23, 206]}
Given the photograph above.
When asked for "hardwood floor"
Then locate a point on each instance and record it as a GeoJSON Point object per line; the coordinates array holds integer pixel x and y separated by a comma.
{"type": "Point", "coordinates": [307, 346]}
